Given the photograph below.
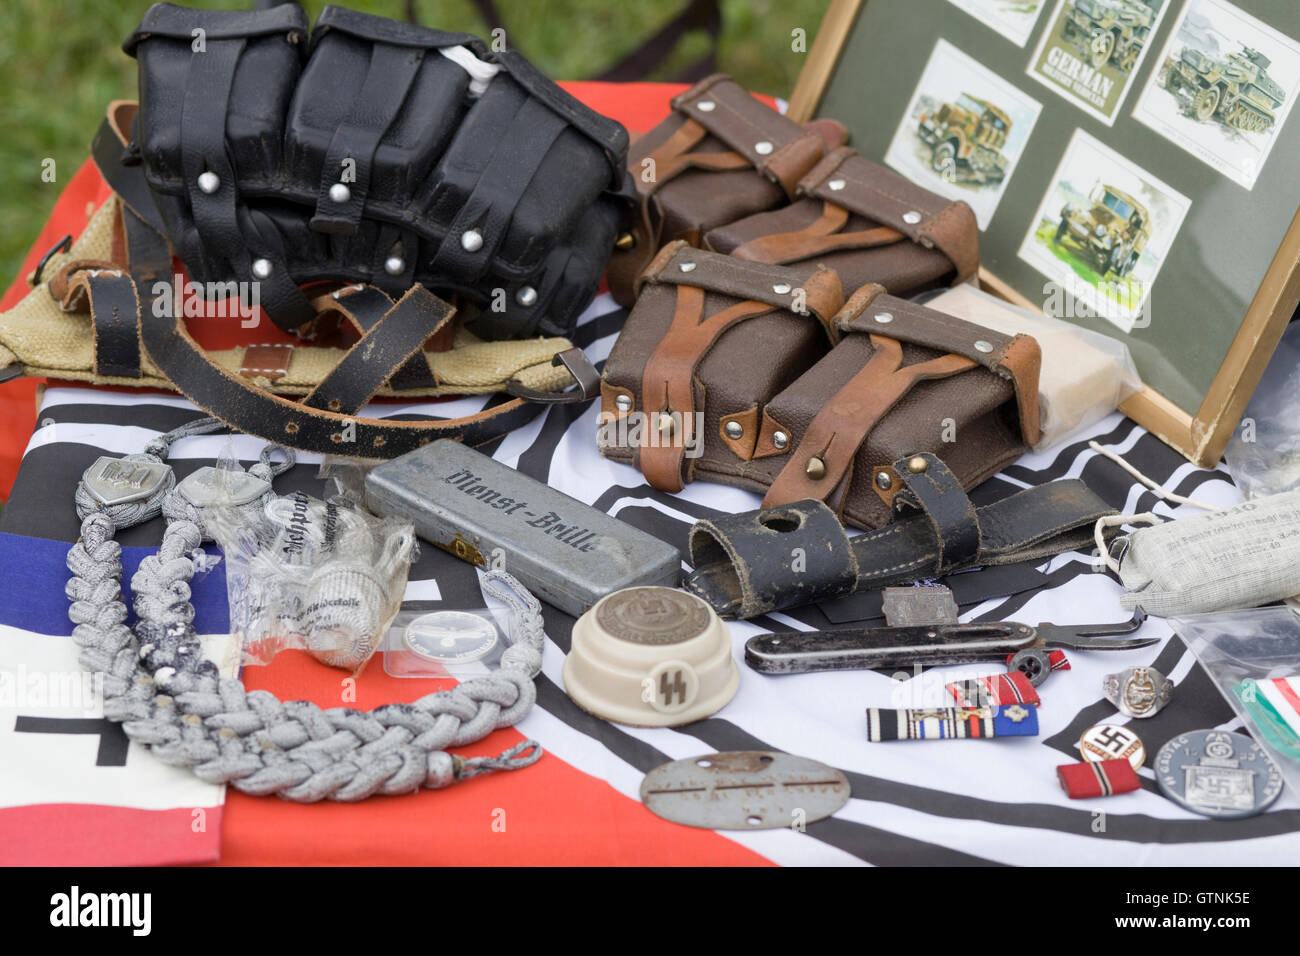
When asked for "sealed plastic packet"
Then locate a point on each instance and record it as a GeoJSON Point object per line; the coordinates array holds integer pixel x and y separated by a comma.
{"type": "Point", "coordinates": [1253, 657]}
{"type": "Point", "coordinates": [427, 640]}
{"type": "Point", "coordinates": [321, 576]}
{"type": "Point", "coordinates": [1242, 556]}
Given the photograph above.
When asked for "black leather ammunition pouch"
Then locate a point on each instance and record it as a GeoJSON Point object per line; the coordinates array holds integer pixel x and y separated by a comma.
{"type": "Point", "coordinates": [379, 152]}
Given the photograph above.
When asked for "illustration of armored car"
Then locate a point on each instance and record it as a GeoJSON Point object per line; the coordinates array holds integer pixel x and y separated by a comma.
{"type": "Point", "coordinates": [1236, 89]}
{"type": "Point", "coordinates": [965, 140]}
{"type": "Point", "coordinates": [1108, 31]}
{"type": "Point", "coordinates": [1113, 230]}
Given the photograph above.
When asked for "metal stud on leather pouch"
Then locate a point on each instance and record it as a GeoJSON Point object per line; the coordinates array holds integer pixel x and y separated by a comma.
{"type": "Point", "coordinates": [651, 657]}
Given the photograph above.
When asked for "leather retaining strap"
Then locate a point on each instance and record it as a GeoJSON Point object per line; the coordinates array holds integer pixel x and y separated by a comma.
{"type": "Point", "coordinates": [776, 146]}
{"type": "Point", "coordinates": [667, 386]}
{"type": "Point", "coordinates": [1016, 358]}
{"type": "Point", "coordinates": [363, 307]}
{"type": "Point", "coordinates": [668, 382]}
{"type": "Point", "coordinates": [847, 179]}
{"type": "Point", "coordinates": [935, 490]}
{"type": "Point", "coordinates": [822, 464]}
{"type": "Point", "coordinates": [744, 564]}
{"type": "Point", "coordinates": [386, 347]}
{"type": "Point", "coordinates": [114, 309]}
{"type": "Point", "coordinates": [818, 238]}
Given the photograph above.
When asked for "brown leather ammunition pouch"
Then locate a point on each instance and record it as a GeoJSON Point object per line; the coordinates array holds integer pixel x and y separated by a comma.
{"type": "Point", "coordinates": [764, 377]}
{"type": "Point", "coordinates": [727, 173]}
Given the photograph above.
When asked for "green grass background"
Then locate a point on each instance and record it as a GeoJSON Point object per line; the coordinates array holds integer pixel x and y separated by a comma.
{"type": "Point", "coordinates": [62, 63]}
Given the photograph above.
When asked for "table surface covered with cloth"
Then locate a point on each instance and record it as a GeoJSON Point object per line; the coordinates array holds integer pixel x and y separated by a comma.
{"type": "Point", "coordinates": [73, 791]}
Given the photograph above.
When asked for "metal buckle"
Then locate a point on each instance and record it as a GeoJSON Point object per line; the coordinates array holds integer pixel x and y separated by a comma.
{"type": "Point", "coordinates": [579, 366]}
{"type": "Point", "coordinates": [63, 245]}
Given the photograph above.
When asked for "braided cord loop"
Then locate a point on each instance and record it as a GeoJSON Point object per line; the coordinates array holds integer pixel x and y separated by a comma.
{"type": "Point", "coordinates": [167, 697]}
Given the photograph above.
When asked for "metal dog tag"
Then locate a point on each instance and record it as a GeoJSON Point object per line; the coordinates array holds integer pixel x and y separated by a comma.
{"type": "Point", "coordinates": [905, 607]}
{"type": "Point", "coordinates": [744, 790]}
{"type": "Point", "coordinates": [114, 481]}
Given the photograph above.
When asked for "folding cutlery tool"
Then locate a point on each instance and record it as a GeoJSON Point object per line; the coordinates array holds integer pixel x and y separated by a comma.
{"type": "Point", "coordinates": [798, 652]}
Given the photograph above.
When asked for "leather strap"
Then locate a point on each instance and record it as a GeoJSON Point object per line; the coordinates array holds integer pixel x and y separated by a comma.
{"type": "Point", "coordinates": [822, 463]}
{"type": "Point", "coordinates": [876, 193]}
{"type": "Point", "coordinates": [386, 347]}
{"type": "Point", "coordinates": [776, 146]}
{"type": "Point", "coordinates": [392, 71]}
{"type": "Point", "coordinates": [579, 366]}
{"type": "Point", "coordinates": [671, 158]}
{"type": "Point", "coordinates": [203, 149]}
{"type": "Point", "coordinates": [935, 490]}
{"type": "Point", "coordinates": [818, 238]}
{"type": "Point", "coordinates": [363, 308]}
{"type": "Point", "coordinates": [668, 383]}
{"type": "Point", "coordinates": [113, 308]}
{"type": "Point", "coordinates": [245, 407]}
{"type": "Point", "coordinates": [499, 188]}
{"type": "Point", "coordinates": [1016, 358]}
{"type": "Point", "coordinates": [815, 287]}
{"type": "Point", "coordinates": [745, 565]}
{"type": "Point", "coordinates": [249, 409]}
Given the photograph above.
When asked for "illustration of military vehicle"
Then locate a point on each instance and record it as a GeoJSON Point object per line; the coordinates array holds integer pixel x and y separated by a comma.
{"type": "Point", "coordinates": [965, 140]}
{"type": "Point", "coordinates": [1108, 31]}
{"type": "Point", "coordinates": [1236, 89]}
{"type": "Point", "coordinates": [1113, 229]}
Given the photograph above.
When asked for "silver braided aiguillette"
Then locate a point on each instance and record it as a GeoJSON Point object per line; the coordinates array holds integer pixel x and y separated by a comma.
{"type": "Point", "coordinates": [169, 698]}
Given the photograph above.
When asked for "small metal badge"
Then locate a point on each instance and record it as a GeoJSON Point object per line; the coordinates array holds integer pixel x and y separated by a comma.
{"type": "Point", "coordinates": [1138, 691]}
{"type": "Point", "coordinates": [1112, 742]}
{"type": "Point", "coordinates": [744, 790]}
{"type": "Point", "coordinates": [1217, 774]}
{"type": "Point", "coordinates": [916, 606]}
{"type": "Point", "coordinates": [211, 487]}
{"type": "Point", "coordinates": [450, 637]}
{"type": "Point", "coordinates": [116, 481]}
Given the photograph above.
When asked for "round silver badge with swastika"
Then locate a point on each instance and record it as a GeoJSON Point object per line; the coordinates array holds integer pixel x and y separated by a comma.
{"type": "Point", "coordinates": [1218, 774]}
{"type": "Point", "coordinates": [653, 615]}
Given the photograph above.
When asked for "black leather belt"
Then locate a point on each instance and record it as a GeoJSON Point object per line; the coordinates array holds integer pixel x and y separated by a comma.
{"type": "Point", "coordinates": [785, 557]}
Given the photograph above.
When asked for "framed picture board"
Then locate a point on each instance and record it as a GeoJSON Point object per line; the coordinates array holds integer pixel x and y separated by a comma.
{"type": "Point", "coordinates": [1132, 164]}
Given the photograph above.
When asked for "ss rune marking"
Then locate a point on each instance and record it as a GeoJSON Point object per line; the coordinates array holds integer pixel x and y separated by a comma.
{"type": "Point", "coordinates": [666, 689]}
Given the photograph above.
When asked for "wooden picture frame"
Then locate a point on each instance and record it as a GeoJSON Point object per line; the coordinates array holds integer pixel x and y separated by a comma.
{"type": "Point", "coordinates": [1202, 432]}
